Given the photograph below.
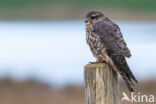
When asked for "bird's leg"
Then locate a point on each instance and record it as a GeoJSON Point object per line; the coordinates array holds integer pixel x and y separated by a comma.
{"type": "Point", "coordinates": [93, 62]}
{"type": "Point", "coordinates": [97, 62]}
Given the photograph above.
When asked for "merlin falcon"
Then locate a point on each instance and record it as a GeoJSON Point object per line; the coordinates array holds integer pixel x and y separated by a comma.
{"type": "Point", "coordinates": [107, 45]}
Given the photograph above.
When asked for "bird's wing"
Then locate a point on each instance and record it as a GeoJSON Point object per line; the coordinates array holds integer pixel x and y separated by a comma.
{"type": "Point", "coordinates": [116, 48]}
{"type": "Point", "coordinates": [112, 38]}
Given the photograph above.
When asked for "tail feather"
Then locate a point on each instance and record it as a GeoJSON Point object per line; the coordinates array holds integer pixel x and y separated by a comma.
{"type": "Point", "coordinates": [129, 86]}
{"type": "Point", "coordinates": [124, 71]}
{"type": "Point", "coordinates": [134, 79]}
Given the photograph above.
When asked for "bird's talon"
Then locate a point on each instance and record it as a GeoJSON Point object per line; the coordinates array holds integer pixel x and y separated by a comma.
{"type": "Point", "coordinates": [97, 62]}
{"type": "Point", "coordinates": [93, 62]}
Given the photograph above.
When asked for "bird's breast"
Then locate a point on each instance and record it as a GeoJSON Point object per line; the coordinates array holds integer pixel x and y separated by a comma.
{"type": "Point", "coordinates": [97, 48]}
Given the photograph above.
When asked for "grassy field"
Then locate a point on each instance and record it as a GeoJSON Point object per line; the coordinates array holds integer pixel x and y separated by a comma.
{"type": "Point", "coordinates": [75, 9]}
{"type": "Point", "coordinates": [34, 92]}
{"type": "Point", "coordinates": [147, 5]}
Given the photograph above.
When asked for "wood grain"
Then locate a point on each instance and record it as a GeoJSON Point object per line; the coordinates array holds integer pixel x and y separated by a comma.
{"type": "Point", "coordinates": [101, 84]}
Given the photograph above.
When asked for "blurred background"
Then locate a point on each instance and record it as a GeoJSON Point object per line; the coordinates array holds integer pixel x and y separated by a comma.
{"type": "Point", "coordinates": [43, 48]}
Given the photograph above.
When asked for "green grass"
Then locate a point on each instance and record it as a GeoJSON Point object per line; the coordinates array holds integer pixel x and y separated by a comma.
{"type": "Point", "coordinates": [130, 4]}
{"type": "Point", "coordinates": [25, 8]}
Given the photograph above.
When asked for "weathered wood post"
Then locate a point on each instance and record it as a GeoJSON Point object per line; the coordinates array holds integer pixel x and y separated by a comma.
{"type": "Point", "coordinates": [101, 84]}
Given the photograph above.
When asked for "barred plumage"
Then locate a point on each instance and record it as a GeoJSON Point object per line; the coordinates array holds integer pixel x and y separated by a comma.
{"type": "Point", "coordinates": [107, 45]}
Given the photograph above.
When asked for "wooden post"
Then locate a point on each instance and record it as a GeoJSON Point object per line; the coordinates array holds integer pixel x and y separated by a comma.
{"type": "Point", "coordinates": [101, 84]}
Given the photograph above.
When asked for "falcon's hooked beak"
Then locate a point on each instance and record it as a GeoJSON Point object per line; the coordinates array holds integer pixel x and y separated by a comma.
{"type": "Point", "coordinates": [86, 20]}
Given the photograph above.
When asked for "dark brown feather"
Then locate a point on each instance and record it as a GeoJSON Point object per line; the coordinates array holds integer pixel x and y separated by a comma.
{"type": "Point", "coordinates": [111, 36]}
{"type": "Point", "coordinates": [106, 42]}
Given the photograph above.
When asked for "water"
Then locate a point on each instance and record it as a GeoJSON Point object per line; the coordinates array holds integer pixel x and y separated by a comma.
{"type": "Point", "coordinates": [56, 51]}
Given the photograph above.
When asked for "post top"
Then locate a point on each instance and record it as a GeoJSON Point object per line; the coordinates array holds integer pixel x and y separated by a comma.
{"type": "Point", "coordinates": [95, 65]}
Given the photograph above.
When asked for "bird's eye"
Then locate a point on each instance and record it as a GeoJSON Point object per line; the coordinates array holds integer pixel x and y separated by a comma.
{"type": "Point", "coordinates": [93, 17]}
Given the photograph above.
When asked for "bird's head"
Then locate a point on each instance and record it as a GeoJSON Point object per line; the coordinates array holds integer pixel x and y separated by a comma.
{"type": "Point", "coordinates": [93, 17]}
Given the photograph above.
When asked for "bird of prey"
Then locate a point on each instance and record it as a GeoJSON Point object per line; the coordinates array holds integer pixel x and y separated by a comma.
{"type": "Point", "coordinates": [107, 45]}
